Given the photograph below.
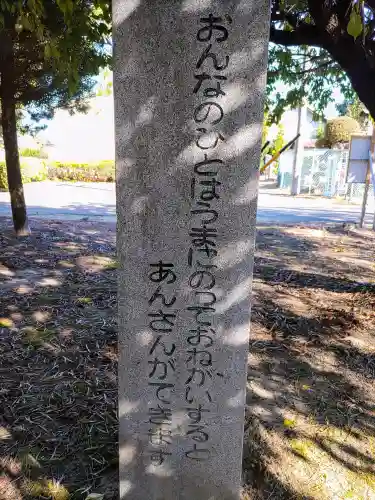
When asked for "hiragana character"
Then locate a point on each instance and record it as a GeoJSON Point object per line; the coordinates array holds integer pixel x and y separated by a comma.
{"type": "Point", "coordinates": [201, 211]}
{"type": "Point", "coordinates": [160, 415]}
{"type": "Point", "coordinates": [163, 321]}
{"type": "Point", "coordinates": [201, 310]}
{"type": "Point", "coordinates": [199, 454]}
{"type": "Point", "coordinates": [218, 137]}
{"type": "Point", "coordinates": [158, 456]}
{"type": "Point", "coordinates": [158, 343]}
{"type": "Point", "coordinates": [200, 334]}
{"type": "Point", "coordinates": [157, 295]}
{"type": "Point", "coordinates": [202, 279]}
{"type": "Point", "coordinates": [208, 193]}
{"type": "Point", "coordinates": [159, 436]}
{"type": "Point", "coordinates": [162, 272]}
{"type": "Point", "coordinates": [206, 54]}
{"type": "Point", "coordinates": [213, 23]}
{"type": "Point", "coordinates": [203, 110]}
{"type": "Point", "coordinates": [197, 433]}
{"type": "Point", "coordinates": [198, 373]}
{"type": "Point", "coordinates": [198, 167]}
{"type": "Point", "coordinates": [195, 414]}
{"type": "Point", "coordinates": [205, 357]}
{"type": "Point", "coordinates": [209, 91]}
{"type": "Point", "coordinates": [162, 386]}
{"type": "Point", "coordinates": [210, 298]}
{"type": "Point", "coordinates": [162, 366]}
{"type": "Point", "coordinates": [204, 235]}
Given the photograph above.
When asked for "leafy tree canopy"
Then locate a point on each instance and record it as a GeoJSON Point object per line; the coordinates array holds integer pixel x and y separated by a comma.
{"type": "Point", "coordinates": [320, 45]}
{"type": "Point", "coordinates": [49, 52]}
{"type": "Point", "coordinates": [58, 47]}
{"type": "Point", "coordinates": [355, 109]}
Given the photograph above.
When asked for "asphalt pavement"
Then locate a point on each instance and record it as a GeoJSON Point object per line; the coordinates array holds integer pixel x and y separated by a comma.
{"type": "Point", "coordinates": [63, 200]}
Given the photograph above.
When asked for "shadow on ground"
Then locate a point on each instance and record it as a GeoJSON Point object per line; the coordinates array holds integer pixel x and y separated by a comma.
{"type": "Point", "coordinates": [311, 400]}
{"type": "Point", "coordinates": [310, 420]}
{"type": "Point", "coordinates": [73, 211]}
{"type": "Point", "coordinates": [58, 395]}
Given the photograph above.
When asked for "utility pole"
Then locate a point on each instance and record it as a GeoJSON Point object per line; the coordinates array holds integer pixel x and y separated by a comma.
{"type": "Point", "coordinates": [365, 196]}
{"type": "Point", "coordinates": [372, 170]}
{"type": "Point", "coordinates": [299, 146]}
{"type": "Point", "coordinates": [298, 152]}
{"type": "Point", "coordinates": [369, 172]}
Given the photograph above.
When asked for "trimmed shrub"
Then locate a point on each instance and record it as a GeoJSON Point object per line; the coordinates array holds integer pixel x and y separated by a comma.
{"type": "Point", "coordinates": [340, 129]}
{"type": "Point", "coordinates": [103, 171]}
{"type": "Point", "coordinates": [34, 153]}
{"type": "Point", "coordinates": [322, 143]}
{"type": "Point", "coordinates": [31, 171]}
{"type": "Point", "coordinates": [3, 176]}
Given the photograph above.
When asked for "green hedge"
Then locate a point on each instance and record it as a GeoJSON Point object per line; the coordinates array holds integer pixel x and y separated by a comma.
{"type": "Point", "coordinates": [31, 172]}
{"type": "Point", "coordinates": [34, 153]}
{"type": "Point", "coordinates": [103, 171]}
{"type": "Point", "coordinates": [37, 170]}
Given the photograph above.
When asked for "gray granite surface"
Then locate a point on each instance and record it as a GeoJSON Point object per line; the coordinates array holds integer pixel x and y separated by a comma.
{"type": "Point", "coordinates": [189, 85]}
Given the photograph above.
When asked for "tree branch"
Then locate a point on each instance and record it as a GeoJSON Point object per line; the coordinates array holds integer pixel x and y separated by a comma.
{"type": "Point", "coordinates": [303, 72]}
{"type": "Point", "coordinates": [313, 70]}
{"type": "Point", "coordinates": [304, 35]}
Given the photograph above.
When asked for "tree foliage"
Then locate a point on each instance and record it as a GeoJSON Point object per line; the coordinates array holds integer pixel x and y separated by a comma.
{"type": "Point", "coordinates": [265, 132]}
{"type": "Point", "coordinates": [355, 109]}
{"type": "Point", "coordinates": [49, 52]}
{"type": "Point", "coordinates": [339, 130]}
{"type": "Point", "coordinates": [319, 45]}
{"type": "Point", "coordinates": [307, 74]}
{"type": "Point", "coordinates": [58, 47]}
{"type": "Point", "coordinates": [277, 144]}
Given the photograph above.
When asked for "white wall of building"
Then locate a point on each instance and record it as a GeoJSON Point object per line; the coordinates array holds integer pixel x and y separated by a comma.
{"type": "Point", "coordinates": [82, 138]}
{"type": "Point", "coordinates": [289, 120]}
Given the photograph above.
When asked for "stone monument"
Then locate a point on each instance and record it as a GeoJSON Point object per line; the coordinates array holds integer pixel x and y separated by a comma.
{"type": "Point", "coordinates": [189, 84]}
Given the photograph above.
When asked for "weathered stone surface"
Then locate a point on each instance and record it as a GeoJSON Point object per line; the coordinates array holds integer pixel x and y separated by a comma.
{"type": "Point", "coordinates": [189, 105]}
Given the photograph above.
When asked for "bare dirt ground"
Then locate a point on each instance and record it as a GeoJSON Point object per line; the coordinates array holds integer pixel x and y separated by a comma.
{"type": "Point", "coordinates": [310, 430]}
{"type": "Point", "coordinates": [310, 416]}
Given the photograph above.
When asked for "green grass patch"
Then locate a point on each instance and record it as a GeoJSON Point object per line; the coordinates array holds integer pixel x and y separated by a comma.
{"type": "Point", "coordinates": [84, 301]}
{"type": "Point", "coordinates": [114, 264]}
{"type": "Point", "coordinates": [301, 447]}
{"type": "Point", "coordinates": [6, 323]}
{"type": "Point", "coordinates": [33, 153]}
{"type": "Point", "coordinates": [37, 337]}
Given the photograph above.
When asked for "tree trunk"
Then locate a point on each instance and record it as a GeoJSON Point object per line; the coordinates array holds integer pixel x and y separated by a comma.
{"type": "Point", "coordinates": [359, 69]}
{"type": "Point", "coordinates": [9, 126]}
{"type": "Point", "coordinates": [355, 59]}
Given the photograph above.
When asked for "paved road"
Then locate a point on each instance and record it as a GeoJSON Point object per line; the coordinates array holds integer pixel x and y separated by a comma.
{"type": "Point", "coordinates": [75, 201]}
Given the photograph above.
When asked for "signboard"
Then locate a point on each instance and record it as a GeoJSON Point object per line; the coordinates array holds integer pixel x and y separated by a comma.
{"type": "Point", "coordinates": [359, 153]}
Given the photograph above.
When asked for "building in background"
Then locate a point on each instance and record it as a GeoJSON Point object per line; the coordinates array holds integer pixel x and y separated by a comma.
{"type": "Point", "coordinates": [309, 125]}
{"type": "Point", "coordinates": [82, 138]}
